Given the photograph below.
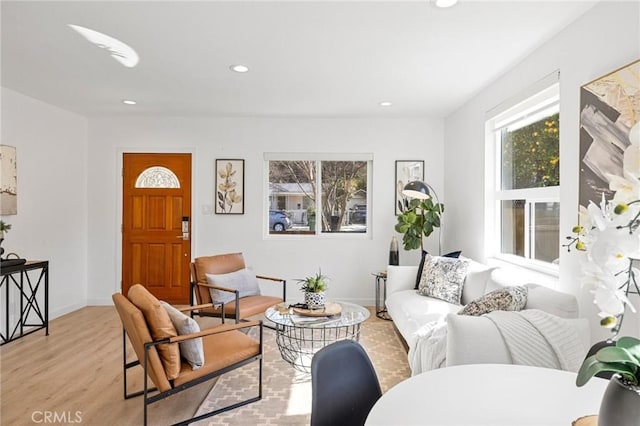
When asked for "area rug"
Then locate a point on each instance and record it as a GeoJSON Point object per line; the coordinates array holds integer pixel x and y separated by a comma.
{"type": "Point", "coordinates": [287, 393]}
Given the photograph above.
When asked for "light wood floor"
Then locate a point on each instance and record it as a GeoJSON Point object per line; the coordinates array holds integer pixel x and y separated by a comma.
{"type": "Point", "coordinates": [78, 368]}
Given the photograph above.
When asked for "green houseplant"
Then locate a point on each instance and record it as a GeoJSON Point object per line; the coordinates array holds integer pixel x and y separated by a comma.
{"type": "Point", "coordinates": [623, 359]}
{"type": "Point", "coordinates": [620, 404]}
{"type": "Point", "coordinates": [418, 220]}
{"type": "Point", "coordinates": [314, 288]}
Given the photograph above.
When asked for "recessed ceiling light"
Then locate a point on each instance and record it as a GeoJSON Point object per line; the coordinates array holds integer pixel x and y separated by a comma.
{"type": "Point", "coordinates": [385, 104]}
{"type": "Point", "coordinates": [117, 49]}
{"type": "Point", "coordinates": [239, 68]}
{"type": "Point", "coordinates": [129, 102]}
{"type": "Point", "coordinates": [445, 3]}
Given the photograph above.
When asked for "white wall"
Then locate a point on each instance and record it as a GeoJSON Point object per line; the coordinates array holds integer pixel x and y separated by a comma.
{"type": "Point", "coordinates": [605, 38]}
{"type": "Point", "coordinates": [51, 223]}
{"type": "Point", "coordinates": [348, 261]}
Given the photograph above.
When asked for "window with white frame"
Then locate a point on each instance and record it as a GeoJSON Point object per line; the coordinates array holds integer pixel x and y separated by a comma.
{"type": "Point", "coordinates": [523, 191]}
{"type": "Point", "coordinates": [315, 194]}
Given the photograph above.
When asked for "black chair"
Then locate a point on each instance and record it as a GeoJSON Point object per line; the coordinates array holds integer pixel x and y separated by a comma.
{"type": "Point", "coordinates": [344, 385]}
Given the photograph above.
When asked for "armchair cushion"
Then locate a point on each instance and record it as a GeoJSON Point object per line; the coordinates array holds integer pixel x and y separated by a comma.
{"type": "Point", "coordinates": [160, 326]}
{"type": "Point", "coordinates": [244, 281]}
{"type": "Point", "coordinates": [191, 350]}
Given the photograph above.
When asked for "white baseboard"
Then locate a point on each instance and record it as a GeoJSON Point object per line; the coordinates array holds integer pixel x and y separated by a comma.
{"type": "Point", "coordinates": [99, 302]}
{"type": "Point", "coordinates": [55, 313]}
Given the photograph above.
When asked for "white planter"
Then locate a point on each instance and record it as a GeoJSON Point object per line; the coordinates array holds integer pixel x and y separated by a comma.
{"type": "Point", "coordinates": [314, 300]}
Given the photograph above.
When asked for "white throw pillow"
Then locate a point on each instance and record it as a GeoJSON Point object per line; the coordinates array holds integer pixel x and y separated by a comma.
{"type": "Point", "coordinates": [475, 284]}
{"type": "Point", "coordinates": [555, 302]}
{"type": "Point", "coordinates": [244, 281]}
{"type": "Point", "coordinates": [192, 349]}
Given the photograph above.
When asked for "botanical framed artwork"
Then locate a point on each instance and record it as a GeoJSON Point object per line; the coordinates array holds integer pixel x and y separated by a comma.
{"type": "Point", "coordinates": [229, 186]}
{"type": "Point", "coordinates": [8, 180]}
{"type": "Point", "coordinates": [609, 107]}
{"type": "Point", "coordinates": [406, 171]}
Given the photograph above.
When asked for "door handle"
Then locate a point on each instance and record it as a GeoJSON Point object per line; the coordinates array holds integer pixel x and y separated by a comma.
{"type": "Point", "coordinates": [184, 236]}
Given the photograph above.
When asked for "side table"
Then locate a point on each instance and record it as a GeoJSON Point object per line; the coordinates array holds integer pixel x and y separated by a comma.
{"type": "Point", "coordinates": [25, 282]}
{"type": "Point", "coordinates": [381, 295]}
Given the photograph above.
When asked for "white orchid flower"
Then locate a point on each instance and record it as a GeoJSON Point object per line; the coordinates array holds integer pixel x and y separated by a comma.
{"type": "Point", "coordinates": [627, 187]}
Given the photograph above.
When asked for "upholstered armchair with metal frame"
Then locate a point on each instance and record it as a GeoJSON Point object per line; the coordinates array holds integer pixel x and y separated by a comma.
{"type": "Point", "coordinates": [223, 348]}
{"type": "Point", "coordinates": [236, 305]}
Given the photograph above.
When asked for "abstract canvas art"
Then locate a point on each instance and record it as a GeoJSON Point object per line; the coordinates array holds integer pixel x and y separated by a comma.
{"type": "Point", "coordinates": [609, 107]}
{"type": "Point", "coordinates": [8, 180]}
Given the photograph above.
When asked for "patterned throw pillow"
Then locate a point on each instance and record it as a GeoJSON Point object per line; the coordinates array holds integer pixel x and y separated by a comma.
{"type": "Point", "coordinates": [454, 254]}
{"type": "Point", "coordinates": [505, 299]}
{"type": "Point", "coordinates": [443, 278]}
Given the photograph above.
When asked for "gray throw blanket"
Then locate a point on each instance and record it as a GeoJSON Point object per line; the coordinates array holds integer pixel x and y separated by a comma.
{"type": "Point", "coordinates": [537, 338]}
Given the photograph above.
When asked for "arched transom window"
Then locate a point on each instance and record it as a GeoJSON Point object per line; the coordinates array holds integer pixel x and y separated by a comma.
{"type": "Point", "coordinates": [157, 177]}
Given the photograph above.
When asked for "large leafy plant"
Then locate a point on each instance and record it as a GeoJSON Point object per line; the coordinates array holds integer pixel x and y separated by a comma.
{"type": "Point", "coordinates": [623, 358]}
{"type": "Point", "coordinates": [418, 220]}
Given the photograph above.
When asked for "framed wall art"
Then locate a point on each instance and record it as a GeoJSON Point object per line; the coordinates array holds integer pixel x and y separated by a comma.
{"type": "Point", "coordinates": [609, 107]}
{"type": "Point", "coordinates": [8, 180]}
{"type": "Point", "coordinates": [406, 171]}
{"type": "Point", "coordinates": [229, 186]}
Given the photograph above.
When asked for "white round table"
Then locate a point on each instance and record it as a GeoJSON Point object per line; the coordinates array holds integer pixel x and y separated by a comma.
{"type": "Point", "coordinates": [488, 394]}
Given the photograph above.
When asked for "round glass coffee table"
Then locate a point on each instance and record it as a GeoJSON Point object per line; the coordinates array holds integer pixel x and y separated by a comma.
{"type": "Point", "coordinates": [299, 340]}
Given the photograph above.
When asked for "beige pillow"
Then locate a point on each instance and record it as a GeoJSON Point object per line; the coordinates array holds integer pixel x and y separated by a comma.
{"type": "Point", "coordinates": [160, 326]}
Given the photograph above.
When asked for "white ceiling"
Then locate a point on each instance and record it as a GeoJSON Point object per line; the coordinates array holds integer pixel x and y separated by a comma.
{"type": "Point", "coordinates": [320, 58]}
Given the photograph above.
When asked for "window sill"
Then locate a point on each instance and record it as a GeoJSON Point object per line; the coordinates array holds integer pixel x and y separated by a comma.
{"type": "Point", "coordinates": [537, 266]}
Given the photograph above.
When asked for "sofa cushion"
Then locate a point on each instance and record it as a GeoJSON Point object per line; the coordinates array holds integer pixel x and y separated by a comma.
{"type": "Point", "coordinates": [400, 278]}
{"type": "Point", "coordinates": [410, 311]}
{"type": "Point", "coordinates": [453, 254]}
{"type": "Point", "coordinates": [244, 281]}
{"type": "Point", "coordinates": [555, 302]}
{"type": "Point", "coordinates": [443, 278]}
{"type": "Point", "coordinates": [506, 299]}
{"type": "Point", "coordinates": [474, 340]}
{"type": "Point", "coordinates": [160, 326]}
{"type": "Point", "coordinates": [191, 350]}
{"type": "Point", "coordinates": [475, 284]}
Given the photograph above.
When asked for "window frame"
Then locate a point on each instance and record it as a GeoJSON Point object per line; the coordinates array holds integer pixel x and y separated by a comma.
{"type": "Point", "coordinates": [318, 158]}
{"type": "Point", "coordinates": [520, 111]}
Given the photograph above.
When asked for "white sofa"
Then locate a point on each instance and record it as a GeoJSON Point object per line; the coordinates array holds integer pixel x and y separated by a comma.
{"type": "Point", "coordinates": [468, 339]}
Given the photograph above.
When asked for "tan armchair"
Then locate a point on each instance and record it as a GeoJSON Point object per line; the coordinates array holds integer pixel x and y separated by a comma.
{"type": "Point", "coordinates": [239, 308]}
{"type": "Point", "coordinates": [225, 348]}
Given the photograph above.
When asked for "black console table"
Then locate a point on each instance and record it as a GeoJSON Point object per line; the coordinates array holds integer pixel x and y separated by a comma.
{"type": "Point", "coordinates": [24, 282]}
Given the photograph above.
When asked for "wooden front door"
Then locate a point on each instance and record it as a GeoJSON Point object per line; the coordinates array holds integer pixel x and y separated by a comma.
{"type": "Point", "coordinates": [156, 224]}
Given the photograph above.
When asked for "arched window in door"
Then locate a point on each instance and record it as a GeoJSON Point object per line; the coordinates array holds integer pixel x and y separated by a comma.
{"type": "Point", "coordinates": [157, 177]}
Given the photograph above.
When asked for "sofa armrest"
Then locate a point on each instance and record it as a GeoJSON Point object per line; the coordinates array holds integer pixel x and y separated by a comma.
{"type": "Point", "coordinates": [401, 278]}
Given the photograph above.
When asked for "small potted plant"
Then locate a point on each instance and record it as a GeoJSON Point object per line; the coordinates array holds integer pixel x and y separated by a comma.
{"type": "Point", "coordinates": [314, 288]}
{"type": "Point", "coordinates": [4, 227]}
{"type": "Point", "coordinates": [621, 401]}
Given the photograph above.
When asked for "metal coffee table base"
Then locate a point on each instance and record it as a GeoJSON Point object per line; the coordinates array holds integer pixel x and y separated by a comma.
{"type": "Point", "coordinates": [297, 344]}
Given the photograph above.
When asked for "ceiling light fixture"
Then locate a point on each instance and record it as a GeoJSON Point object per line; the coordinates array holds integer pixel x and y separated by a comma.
{"type": "Point", "coordinates": [385, 104]}
{"type": "Point", "coordinates": [239, 68]}
{"type": "Point", "coordinates": [445, 3]}
{"type": "Point", "coordinates": [117, 49]}
{"type": "Point", "coordinates": [129, 102]}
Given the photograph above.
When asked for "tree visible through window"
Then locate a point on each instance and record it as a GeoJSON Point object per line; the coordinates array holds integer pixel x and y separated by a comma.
{"type": "Point", "coordinates": [526, 142]}
{"type": "Point", "coordinates": [300, 189]}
